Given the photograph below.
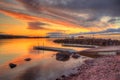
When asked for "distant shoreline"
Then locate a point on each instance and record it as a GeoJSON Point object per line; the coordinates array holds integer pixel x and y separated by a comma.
{"type": "Point", "coordinates": [89, 41]}
{"type": "Point", "coordinates": [18, 37]}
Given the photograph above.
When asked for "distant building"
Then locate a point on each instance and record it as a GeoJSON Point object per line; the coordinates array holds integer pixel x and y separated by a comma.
{"type": "Point", "coordinates": [75, 36]}
{"type": "Point", "coordinates": [80, 37]}
{"type": "Point", "coordinates": [56, 35]}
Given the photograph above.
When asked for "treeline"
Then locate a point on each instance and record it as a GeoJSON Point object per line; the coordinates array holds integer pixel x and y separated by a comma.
{"type": "Point", "coordinates": [17, 36]}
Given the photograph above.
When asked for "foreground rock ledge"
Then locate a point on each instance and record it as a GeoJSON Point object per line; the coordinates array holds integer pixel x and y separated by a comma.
{"type": "Point", "coordinates": [105, 68]}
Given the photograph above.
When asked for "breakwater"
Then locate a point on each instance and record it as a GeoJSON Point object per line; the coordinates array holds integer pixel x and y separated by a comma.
{"type": "Point", "coordinates": [90, 41]}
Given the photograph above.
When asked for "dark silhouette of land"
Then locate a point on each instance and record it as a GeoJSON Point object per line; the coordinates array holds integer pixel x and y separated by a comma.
{"type": "Point", "coordinates": [7, 36]}
{"type": "Point", "coordinates": [90, 41]}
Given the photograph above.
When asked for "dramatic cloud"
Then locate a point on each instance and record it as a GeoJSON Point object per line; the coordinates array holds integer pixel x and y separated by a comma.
{"type": "Point", "coordinates": [36, 25]}
{"type": "Point", "coordinates": [27, 16]}
{"type": "Point", "coordinates": [114, 20]}
{"type": "Point", "coordinates": [17, 14]}
{"type": "Point", "coordinates": [41, 26]}
{"type": "Point", "coordinates": [110, 30]}
{"type": "Point", "coordinates": [75, 14]}
{"type": "Point", "coordinates": [71, 10]}
{"type": "Point", "coordinates": [105, 6]}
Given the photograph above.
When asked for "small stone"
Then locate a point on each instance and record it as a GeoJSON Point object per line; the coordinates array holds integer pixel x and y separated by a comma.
{"type": "Point", "coordinates": [27, 59]}
{"type": "Point", "coordinates": [58, 79]}
{"type": "Point", "coordinates": [63, 76]}
{"type": "Point", "coordinates": [75, 56]}
{"type": "Point", "coordinates": [11, 65]}
{"type": "Point", "coordinates": [72, 75]}
{"type": "Point", "coordinates": [78, 69]}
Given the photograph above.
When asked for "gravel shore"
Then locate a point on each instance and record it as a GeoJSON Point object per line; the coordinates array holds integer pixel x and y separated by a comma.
{"type": "Point", "coordinates": [105, 68]}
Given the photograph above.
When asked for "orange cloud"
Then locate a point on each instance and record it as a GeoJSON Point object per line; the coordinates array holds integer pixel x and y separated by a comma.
{"type": "Point", "coordinates": [18, 15]}
{"type": "Point", "coordinates": [28, 18]}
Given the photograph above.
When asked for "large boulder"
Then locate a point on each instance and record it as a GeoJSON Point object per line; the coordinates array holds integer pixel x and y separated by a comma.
{"type": "Point", "coordinates": [63, 56]}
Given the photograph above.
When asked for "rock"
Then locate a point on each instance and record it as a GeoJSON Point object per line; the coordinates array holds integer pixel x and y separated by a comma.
{"type": "Point", "coordinates": [62, 56]}
{"type": "Point", "coordinates": [58, 79]}
{"type": "Point", "coordinates": [72, 75]}
{"type": "Point", "coordinates": [63, 76]}
{"type": "Point", "coordinates": [11, 65]}
{"type": "Point", "coordinates": [104, 68]}
{"type": "Point", "coordinates": [27, 59]}
{"type": "Point", "coordinates": [75, 56]}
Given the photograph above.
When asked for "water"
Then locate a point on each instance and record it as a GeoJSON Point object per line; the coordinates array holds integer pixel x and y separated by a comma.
{"type": "Point", "coordinates": [43, 65]}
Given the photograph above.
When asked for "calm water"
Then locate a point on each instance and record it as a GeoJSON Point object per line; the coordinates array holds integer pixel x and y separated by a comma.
{"type": "Point", "coordinates": [43, 65]}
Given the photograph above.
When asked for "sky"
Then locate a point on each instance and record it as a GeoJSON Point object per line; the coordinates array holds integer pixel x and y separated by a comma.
{"type": "Point", "coordinates": [39, 17]}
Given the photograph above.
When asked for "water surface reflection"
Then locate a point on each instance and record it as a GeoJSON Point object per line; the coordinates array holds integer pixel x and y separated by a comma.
{"type": "Point", "coordinates": [43, 65]}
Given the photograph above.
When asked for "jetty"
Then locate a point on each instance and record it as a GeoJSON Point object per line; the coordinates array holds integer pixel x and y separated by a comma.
{"type": "Point", "coordinates": [101, 51]}
{"type": "Point", "coordinates": [89, 41]}
{"type": "Point", "coordinates": [80, 45]}
{"type": "Point", "coordinates": [93, 52]}
{"type": "Point", "coordinates": [54, 49]}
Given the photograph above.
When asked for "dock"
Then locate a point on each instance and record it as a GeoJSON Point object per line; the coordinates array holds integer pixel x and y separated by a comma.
{"type": "Point", "coordinates": [54, 49]}
{"type": "Point", "coordinates": [80, 45]}
{"type": "Point", "coordinates": [93, 52]}
{"type": "Point", "coordinates": [101, 51]}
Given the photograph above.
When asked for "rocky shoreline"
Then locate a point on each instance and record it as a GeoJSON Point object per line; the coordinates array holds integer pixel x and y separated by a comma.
{"type": "Point", "coordinates": [89, 41]}
{"type": "Point", "coordinates": [104, 68]}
